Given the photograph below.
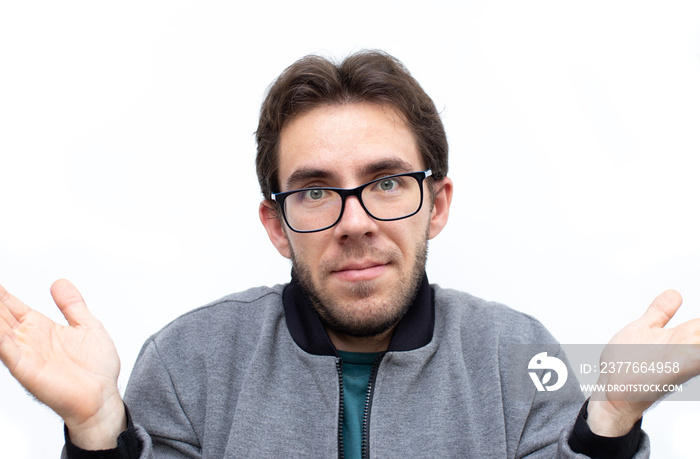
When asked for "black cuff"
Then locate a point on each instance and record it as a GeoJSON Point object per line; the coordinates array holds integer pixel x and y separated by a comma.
{"type": "Point", "coordinates": [584, 441]}
{"type": "Point", "coordinates": [127, 445]}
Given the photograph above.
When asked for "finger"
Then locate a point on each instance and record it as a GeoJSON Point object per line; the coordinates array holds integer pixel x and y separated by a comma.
{"type": "Point", "coordinates": [6, 316]}
{"type": "Point", "coordinates": [9, 353]}
{"type": "Point", "coordinates": [688, 333]}
{"type": "Point", "coordinates": [662, 309]}
{"type": "Point", "coordinates": [14, 305]}
{"type": "Point", "coordinates": [71, 303]}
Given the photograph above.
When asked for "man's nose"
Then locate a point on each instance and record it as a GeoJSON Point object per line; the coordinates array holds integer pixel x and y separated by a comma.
{"type": "Point", "coordinates": [355, 221]}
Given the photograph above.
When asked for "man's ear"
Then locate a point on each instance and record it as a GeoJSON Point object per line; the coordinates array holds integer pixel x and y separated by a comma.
{"type": "Point", "coordinates": [272, 222]}
{"type": "Point", "coordinates": [441, 207]}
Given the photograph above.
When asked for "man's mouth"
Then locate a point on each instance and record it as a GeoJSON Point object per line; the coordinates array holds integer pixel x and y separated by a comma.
{"type": "Point", "coordinates": [360, 271]}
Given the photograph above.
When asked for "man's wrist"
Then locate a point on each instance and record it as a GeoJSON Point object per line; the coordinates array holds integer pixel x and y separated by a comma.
{"type": "Point", "coordinates": [101, 432]}
{"type": "Point", "coordinates": [128, 445]}
{"type": "Point", "coordinates": [584, 441]}
{"type": "Point", "coordinates": [606, 420]}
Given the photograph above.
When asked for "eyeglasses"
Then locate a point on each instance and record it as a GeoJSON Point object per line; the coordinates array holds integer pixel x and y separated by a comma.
{"type": "Point", "coordinates": [388, 198]}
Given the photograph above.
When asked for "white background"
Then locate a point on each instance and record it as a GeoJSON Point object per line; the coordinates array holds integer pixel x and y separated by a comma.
{"type": "Point", "coordinates": [127, 160]}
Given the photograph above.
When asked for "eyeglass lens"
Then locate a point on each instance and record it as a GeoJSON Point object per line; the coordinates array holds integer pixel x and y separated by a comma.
{"type": "Point", "coordinates": [385, 199]}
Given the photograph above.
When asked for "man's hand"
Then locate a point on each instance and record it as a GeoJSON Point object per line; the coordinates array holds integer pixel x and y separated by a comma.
{"type": "Point", "coordinates": [613, 415]}
{"type": "Point", "coordinates": [73, 369]}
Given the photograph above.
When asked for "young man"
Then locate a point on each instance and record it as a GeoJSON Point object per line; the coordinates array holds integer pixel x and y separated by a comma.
{"type": "Point", "coordinates": [358, 355]}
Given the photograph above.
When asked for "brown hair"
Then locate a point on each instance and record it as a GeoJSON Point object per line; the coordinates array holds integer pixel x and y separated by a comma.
{"type": "Point", "coordinates": [367, 76]}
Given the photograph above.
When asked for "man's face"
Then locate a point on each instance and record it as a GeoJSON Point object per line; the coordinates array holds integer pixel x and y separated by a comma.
{"type": "Point", "coordinates": [362, 273]}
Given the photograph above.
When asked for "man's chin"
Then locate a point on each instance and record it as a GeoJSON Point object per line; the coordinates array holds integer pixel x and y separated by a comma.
{"type": "Point", "coordinates": [360, 328]}
{"type": "Point", "coordinates": [361, 306]}
{"type": "Point", "coordinates": [362, 312]}
{"type": "Point", "coordinates": [348, 292]}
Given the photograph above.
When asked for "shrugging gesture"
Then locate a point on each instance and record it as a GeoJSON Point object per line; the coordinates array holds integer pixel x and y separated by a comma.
{"type": "Point", "coordinates": [613, 414]}
{"type": "Point", "coordinates": [73, 369]}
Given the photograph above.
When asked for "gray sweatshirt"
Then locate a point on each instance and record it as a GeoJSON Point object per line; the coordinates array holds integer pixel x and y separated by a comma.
{"type": "Point", "coordinates": [250, 376]}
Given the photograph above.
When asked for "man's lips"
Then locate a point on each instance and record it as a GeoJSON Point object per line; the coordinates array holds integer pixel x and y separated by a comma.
{"type": "Point", "coordinates": [360, 271]}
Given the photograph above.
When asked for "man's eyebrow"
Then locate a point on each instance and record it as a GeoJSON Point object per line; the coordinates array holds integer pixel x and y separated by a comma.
{"type": "Point", "coordinates": [392, 165]}
{"type": "Point", "coordinates": [307, 173]}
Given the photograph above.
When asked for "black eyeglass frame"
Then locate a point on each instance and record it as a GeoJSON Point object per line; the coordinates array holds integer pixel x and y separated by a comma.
{"type": "Point", "coordinates": [420, 176]}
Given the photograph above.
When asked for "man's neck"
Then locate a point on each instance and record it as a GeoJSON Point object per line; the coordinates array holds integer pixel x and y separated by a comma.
{"type": "Point", "coordinates": [378, 343]}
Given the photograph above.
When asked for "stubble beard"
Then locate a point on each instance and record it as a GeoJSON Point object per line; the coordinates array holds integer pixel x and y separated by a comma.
{"type": "Point", "coordinates": [381, 313]}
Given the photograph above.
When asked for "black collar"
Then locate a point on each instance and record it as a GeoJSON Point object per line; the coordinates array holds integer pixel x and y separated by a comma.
{"type": "Point", "coordinates": [414, 330]}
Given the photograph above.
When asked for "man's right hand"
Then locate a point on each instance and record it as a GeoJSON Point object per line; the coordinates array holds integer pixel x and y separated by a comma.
{"type": "Point", "coordinates": [72, 369]}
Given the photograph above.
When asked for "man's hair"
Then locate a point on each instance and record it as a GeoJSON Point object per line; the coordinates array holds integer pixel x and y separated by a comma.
{"type": "Point", "coordinates": [366, 76]}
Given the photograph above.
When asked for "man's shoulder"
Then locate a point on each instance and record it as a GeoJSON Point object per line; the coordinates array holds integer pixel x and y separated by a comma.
{"type": "Point", "coordinates": [469, 305]}
{"type": "Point", "coordinates": [219, 338]}
{"type": "Point", "coordinates": [252, 295]}
{"type": "Point", "coordinates": [241, 310]}
{"type": "Point", "coordinates": [484, 318]}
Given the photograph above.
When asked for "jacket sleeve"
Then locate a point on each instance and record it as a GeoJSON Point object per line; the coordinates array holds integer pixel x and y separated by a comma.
{"type": "Point", "coordinates": [563, 408]}
{"type": "Point", "coordinates": [564, 449]}
{"type": "Point", "coordinates": [127, 445]}
{"type": "Point", "coordinates": [158, 428]}
{"type": "Point", "coordinates": [162, 425]}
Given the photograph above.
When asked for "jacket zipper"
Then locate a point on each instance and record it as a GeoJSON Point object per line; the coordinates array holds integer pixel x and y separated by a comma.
{"type": "Point", "coordinates": [341, 407]}
{"type": "Point", "coordinates": [368, 405]}
{"type": "Point", "coordinates": [366, 412]}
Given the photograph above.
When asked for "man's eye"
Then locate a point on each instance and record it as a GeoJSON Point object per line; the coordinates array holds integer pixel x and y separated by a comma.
{"type": "Point", "coordinates": [315, 194]}
{"type": "Point", "coordinates": [387, 185]}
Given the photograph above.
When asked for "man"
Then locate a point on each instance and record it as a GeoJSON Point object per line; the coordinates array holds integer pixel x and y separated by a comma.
{"type": "Point", "coordinates": [358, 355]}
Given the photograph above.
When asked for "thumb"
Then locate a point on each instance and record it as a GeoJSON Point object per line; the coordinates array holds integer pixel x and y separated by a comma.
{"type": "Point", "coordinates": [71, 303]}
{"type": "Point", "coordinates": [662, 309]}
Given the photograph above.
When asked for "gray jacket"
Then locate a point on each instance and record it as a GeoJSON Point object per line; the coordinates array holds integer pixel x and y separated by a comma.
{"type": "Point", "coordinates": [235, 379]}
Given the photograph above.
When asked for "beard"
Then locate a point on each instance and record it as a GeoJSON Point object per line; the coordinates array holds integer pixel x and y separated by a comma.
{"type": "Point", "coordinates": [363, 315]}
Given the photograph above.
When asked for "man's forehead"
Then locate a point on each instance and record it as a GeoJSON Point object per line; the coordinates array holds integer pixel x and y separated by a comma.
{"type": "Point", "coordinates": [351, 140]}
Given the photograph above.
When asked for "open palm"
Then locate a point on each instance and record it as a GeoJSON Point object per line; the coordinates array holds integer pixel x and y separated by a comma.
{"type": "Point", "coordinates": [672, 352]}
{"type": "Point", "coordinates": [73, 369]}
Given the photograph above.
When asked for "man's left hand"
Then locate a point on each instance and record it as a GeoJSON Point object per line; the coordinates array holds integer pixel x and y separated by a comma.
{"type": "Point", "coordinates": [614, 414]}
